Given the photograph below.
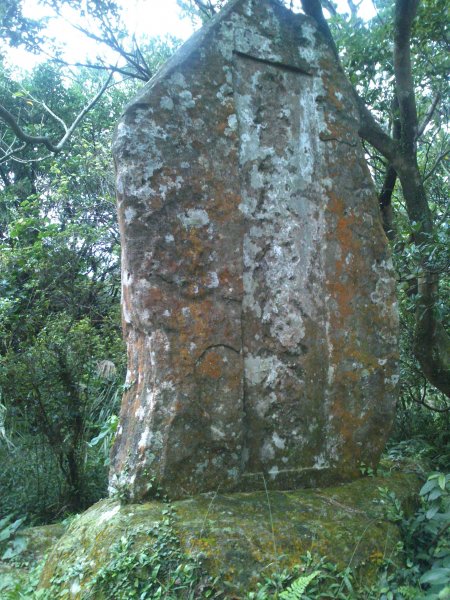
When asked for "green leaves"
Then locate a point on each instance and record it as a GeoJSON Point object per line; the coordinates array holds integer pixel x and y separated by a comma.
{"type": "Point", "coordinates": [298, 587]}
{"type": "Point", "coordinates": [437, 486]}
{"type": "Point", "coordinates": [150, 564]}
{"type": "Point", "coordinates": [59, 300]}
{"type": "Point", "coordinates": [11, 544]}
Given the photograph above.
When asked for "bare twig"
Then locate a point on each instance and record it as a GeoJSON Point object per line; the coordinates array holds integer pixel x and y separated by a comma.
{"type": "Point", "coordinates": [422, 402]}
{"type": "Point", "coordinates": [436, 164]}
{"type": "Point", "coordinates": [354, 8]}
{"type": "Point", "coordinates": [47, 109]}
{"type": "Point", "coordinates": [11, 152]}
{"type": "Point", "coordinates": [427, 118]}
{"type": "Point", "coordinates": [329, 6]}
{"type": "Point", "coordinates": [207, 9]}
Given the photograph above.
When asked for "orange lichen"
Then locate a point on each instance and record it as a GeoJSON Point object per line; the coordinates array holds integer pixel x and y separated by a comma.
{"type": "Point", "coordinates": [211, 365]}
{"type": "Point", "coordinates": [344, 286]}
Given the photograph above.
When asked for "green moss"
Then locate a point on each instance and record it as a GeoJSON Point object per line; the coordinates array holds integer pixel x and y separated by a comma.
{"type": "Point", "coordinates": [238, 536]}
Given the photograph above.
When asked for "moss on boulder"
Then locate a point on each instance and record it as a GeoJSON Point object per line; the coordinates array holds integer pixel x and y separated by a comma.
{"type": "Point", "coordinates": [239, 536]}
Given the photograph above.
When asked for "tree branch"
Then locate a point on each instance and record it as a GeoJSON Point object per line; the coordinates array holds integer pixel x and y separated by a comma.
{"type": "Point", "coordinates": [8, 118]}
{"type": "Point", "coordinates": [46, 108]}
{"type": "Point", "coordinates": [371, 131]}
{"type": "Point", "coordinates": [385, 200]}
{"type": "Point", "coordinates": [207, 9]}
{"type": "Point", "coordinates": [353, 8]}
{"type": "Point", "coordinates": [83, 113]}
{"type": "Point", "coordinates": [427, 118]}
{"type": "Point", "coordinates": [11, 153]}
{"type": "Point", "coordinates": [103, 67]}
{"type": "Point", "coordinates": [112, 43]}
{"type": "Point", "coordinates": [329, 6]}
{"type": "Point", "coordinates": [42, 140]}
{"type": "Point", "coordinates": [148, 71]}
{"type": "Point", "coordinates": [390, 179]}
{"type": "Point", "coordinates": [422, 402]}
{"type": "Point", "coordinates": [405, 11]}
{"type": "Point", "coordinates": [436, 164]}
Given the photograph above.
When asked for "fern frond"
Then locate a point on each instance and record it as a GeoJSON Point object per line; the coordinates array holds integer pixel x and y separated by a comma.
{"type": "Point", "coordinates": [298, 587]}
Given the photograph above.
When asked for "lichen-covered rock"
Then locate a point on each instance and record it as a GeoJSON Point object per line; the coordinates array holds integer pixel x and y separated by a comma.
{"type": "Point", "coordinates": [258, 292]}
{"type": "Point", "coordinates": [242, 537]}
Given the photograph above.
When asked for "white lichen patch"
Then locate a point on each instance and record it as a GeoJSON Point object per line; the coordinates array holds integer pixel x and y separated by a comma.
{"type": "Point", "coordinates": [309, 52]}
{"type": "Point", "coordinates": [278, 441]}
{"type": "Point", "coordinates": [320, 462]}
{"type": "Point", "coordinates": [260, 369]}
{"type": "Point", "coordinates": [177, 80]}
{"type": "Point", "coordinates": [130, 214]}
{"type": "Point", "coordinates": [273, 472]}
{"type": "Point", "coordinates": [288, 329]}
{"type": "Point", "coordinates": [216, 433]}
{"type": "Point", "coordinates": [150, 400]}
{"type": "Point", "coordinates": [186, 99]}
{"type": "Point", "coordinates": [125, 312]}
{"type": "Point", "coordinates": [194, 217]}
{"type": "Point", "coordinates": [140, 413]}
{"type": "Point", "coordinates": [264, 403]}
{"type": "Point", "coordinates": [108, 515]}
{"type": "Point", "coordinates": [212, 280]}
{"type": "Point", "coordinates": [166, 103]}
{"type": "Point", "coordinates": [233, 473]}
{"type": "Point", "coordinates": [201, 467]}
{"type": "Point", "coordinates": [267, 451]}
{"type": "Point", "coordinates": [143, 441]}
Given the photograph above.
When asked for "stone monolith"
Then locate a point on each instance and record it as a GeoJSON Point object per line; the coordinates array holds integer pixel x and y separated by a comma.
{"type": "Point", "coordinates": [258, 291]}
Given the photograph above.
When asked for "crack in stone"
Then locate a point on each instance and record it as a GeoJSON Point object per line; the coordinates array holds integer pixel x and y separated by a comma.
{"type": "Point", "coordinates": [215, 346]}
{"type": "Point", "coordinates": [325, 138]}
{"type": "Point", "coordinates": [273, 63]}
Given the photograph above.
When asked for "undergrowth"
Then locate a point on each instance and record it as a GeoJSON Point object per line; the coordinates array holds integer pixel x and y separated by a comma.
{"type": "Point", "coordinates": [149, 564]}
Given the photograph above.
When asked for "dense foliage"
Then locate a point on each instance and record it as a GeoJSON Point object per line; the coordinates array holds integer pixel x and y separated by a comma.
{"type": "Point", "coordinates": [61, 351]}
{"type": "Point", "coordinates": [59, 314]}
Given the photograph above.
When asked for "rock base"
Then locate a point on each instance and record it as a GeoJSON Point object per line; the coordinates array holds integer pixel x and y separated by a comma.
{"type": "Point", "coordinates": [240, 537]}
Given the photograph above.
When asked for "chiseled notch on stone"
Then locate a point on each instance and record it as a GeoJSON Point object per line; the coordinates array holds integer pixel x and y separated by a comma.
{"type": "Point", "coordinates": [258, 291]}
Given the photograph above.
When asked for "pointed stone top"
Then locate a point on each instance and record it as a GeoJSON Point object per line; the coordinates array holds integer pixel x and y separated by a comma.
{"type": "Point", "coordinates": [261, 39]}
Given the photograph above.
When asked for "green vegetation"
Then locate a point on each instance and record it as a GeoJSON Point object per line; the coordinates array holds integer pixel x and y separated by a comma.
{"type": "Point", "coordinates": [62, 359]}
{"type": "Point", "coordinates": [147, 561]}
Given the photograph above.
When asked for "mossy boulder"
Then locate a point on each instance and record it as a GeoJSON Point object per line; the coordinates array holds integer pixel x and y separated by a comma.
{"type": "Point", "coordinates": [240, 537]}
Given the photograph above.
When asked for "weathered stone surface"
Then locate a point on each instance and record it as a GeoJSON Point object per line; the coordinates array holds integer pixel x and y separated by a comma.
{"type": "Point", "coordinates": [258, 292]}
{"type": "Point", "coordinates": [242, 537]}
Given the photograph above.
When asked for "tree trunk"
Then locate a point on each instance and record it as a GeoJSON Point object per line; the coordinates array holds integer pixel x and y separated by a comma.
{"type": "Point", "coordinates": [431, 341]}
